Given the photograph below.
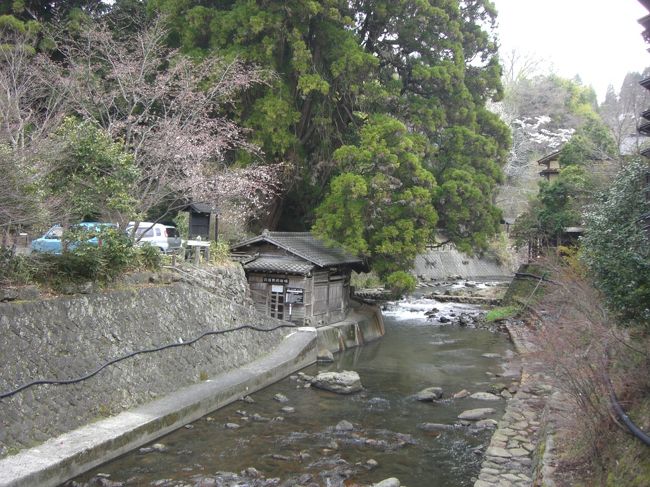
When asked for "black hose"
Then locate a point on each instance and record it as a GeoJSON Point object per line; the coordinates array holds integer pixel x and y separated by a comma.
{"type": "Point", "coordinates": [618, 409]}
{"type": "Point", "coordinates": [7, 394]}
{"type": "Point", "coordinates": [634, 429]}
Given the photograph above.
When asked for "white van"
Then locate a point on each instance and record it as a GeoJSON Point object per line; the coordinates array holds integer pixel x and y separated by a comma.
{"type": "Point", "coordinates": [163, 237]}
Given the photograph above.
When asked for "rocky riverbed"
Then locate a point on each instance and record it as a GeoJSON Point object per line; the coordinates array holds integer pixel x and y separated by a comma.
{"type": "Point", "coordinates": [427, 399]}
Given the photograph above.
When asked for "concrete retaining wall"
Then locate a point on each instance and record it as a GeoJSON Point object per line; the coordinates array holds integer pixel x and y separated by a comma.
{"type": "Point", "coordinates": [448, 263]}
{"type": "Point", "coordinates": [364, 324]}
{"type": "Point", "coordinates": [67, 337]}
{"type": "Point", "coordinates": [71, 454]}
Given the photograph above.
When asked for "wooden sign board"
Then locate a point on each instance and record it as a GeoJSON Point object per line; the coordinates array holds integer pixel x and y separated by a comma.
{"type": "Point", "coordinates": [275, 280]}
{"type": "Point", "coordinates": [295, 295]}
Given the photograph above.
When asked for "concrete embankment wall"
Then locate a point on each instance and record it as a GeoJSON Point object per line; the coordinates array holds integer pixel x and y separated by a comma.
{"type": "Point", "coordinates": [362, 325]}
{"type": "Point", "coordinates": [448, 263]}
{"type": "Point", "coordinates": [67, 337]}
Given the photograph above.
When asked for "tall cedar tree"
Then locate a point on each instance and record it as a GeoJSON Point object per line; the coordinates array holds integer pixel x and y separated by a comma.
{"type": "Point", "coordinates": [431, 64]}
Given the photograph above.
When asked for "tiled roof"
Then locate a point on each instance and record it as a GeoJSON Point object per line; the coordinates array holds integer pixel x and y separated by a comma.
{"type": "Point", "coordinates": [306, 246]}
{"type": "Point", "coordinates": [644, 128]}
{"type": "Point", "coordinates": [553, 156]}
{"type": "Point", "coordinates": [275, 264]}
{"type": "Point", "coordinates": [200, 207]}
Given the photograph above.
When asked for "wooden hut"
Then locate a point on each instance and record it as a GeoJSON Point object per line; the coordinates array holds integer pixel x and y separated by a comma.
{"type": "Point", "coordinates": [296, 277]}
{"type": "Point", "coordinates": [551, 165]}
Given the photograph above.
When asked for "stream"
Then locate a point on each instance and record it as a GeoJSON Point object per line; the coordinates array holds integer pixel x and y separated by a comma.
{"type": "Point", "coordinates": [302, 445]}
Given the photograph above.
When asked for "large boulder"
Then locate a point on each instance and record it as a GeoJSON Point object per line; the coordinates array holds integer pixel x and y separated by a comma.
{"type": "Point", "coordinates": [344, 382]}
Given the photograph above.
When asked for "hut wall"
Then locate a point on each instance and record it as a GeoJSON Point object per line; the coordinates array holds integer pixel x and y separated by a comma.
{"type": "Point", "coordinates": [320, 297]}
{"type": "Point", "coordinates": [325, 296]}
{"type": "Point", "coordinates": [261, 295]}
{"type": "Point", "coordinates": [331, 297]}
{"type": "Point", "coordinates": [259, 292]}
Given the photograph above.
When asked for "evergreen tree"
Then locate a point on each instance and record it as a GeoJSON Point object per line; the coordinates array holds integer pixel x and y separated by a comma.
{"type": "Point", "coordinates": [615, 248]}
{"type": "Point", "coordinates": [430, 64]}
{"type": "Point", "coordinates": [381, 205]}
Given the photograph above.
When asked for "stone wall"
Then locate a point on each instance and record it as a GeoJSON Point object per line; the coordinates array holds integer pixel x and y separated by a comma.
{"type": "Point", "coordinates": [448, 263]}
{"type": "Point", "coordinates": [521, 453]}
{"type": "Point", "coordinates": [67, 337]}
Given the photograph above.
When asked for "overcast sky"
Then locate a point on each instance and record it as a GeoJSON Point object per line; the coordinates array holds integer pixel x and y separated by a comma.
{"type": "Point", "coordinates": [599, 40]}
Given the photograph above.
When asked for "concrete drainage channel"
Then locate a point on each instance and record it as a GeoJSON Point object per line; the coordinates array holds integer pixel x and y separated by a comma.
{"type": "Point", "coordinates": [71, 454]}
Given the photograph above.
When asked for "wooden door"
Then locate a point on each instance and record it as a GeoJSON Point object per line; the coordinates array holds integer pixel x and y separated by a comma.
{"type": "Point", "coordinates": [277, 301]}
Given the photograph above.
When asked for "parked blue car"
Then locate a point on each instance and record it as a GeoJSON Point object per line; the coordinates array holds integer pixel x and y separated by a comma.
{"type": "Point", "coordinates": [50, 243]}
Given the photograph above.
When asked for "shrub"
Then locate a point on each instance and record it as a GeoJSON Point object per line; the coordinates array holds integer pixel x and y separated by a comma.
{"type": "Point", "coordinates": [149, 257]}
{"type": "Point", "coordinates": [219, 252]}
{"type": "Point", "coordinates": [581, 346]}
{"type": "Point", "coordinates": [16, 269]}
{"type": "Point", "coordinates": [502, 313]}
{"type": "Point", "coordinates": [400, 283]}
{"type": "Point", "coordinates": [112, 255]}
{"type": "Point", "coordinates": [365, 280]}
{"type": "Point", "coordinates": [616, 250]}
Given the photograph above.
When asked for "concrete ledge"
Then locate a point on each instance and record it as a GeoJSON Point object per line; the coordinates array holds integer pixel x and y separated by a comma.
{"type": "Point", "coordinates": [71, 454]}
{"type": "Point", "coordinates": [362, 325]}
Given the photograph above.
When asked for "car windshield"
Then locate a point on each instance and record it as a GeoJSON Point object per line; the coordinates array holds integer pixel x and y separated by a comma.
{"type": "Point", "coordinates": [54, 233]}
{"type": "Point", "coordinates": [141, 232]}
{"type": "Point", "coordinates": [171, 232]}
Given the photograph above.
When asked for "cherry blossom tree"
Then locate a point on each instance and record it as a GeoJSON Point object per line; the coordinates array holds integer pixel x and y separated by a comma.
{"type": "Point", "coordinates": [169, 111]}
{"type": "Point", "coordinates": [29, 110]}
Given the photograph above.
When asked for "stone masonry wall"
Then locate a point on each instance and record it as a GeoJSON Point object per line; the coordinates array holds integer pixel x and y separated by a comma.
{"type": "Point", "coordinates": [67, 337]}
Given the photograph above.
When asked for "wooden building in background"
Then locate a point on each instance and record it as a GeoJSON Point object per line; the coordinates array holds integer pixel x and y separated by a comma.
{"type": "Point", "coordinates": [296, 277]}
{"type": "Point", "coordinates": [551, 166]}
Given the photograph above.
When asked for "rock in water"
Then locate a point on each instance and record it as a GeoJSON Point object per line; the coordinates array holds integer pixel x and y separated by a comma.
{"type": "Point", "coordinates": [391, 482]}
{"type": "Point", "coordinates": [344, 382]}
{"type": "Point", "coordinates": [435, 427]}
{"type": "Point", "coordinates": [344, 425]}
{"type": "Point", "coordinates": [281, 397]}
{"type": "Point", "coordinates": [496, 387]}
{"type": "Point", "coordinates": [485, 424]}
{"type": "Point", "coordinates": [325, 356]}
{"type": "Point", "coordinates": [485, 396]}
{"type": "Point", "coordinates": [461, 394]}
{"type": "Point", "coordinates": [476, 414]}
{"type": "Point", "coordinates": [429, 394]}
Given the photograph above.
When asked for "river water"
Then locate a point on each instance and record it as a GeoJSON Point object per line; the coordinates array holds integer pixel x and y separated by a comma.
{"type": "Point", "coordinates": [305, 448]}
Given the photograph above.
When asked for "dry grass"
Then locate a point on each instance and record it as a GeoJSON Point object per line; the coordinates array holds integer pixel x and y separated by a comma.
{"type": "Point", "coordinates": [580, 345]}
